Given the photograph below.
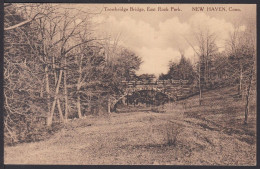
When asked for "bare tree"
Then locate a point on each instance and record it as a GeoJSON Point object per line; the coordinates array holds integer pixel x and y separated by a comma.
{"type": "Point", "coordinates": [234, 49]}
{"type": "Point", "coordinates": [22, 78]}
{"type": "Point", "coordinates": [111, 52]}
{"type": "Point", "coordinates": [205, 48]}
{"type": "Point", "coordinates": [250, 58]}
{"type": "Point", "coordinates": [55, 62]}
{"type": "Point", "coordinates": [57, 34]}
{"type": "Point", "coordinates": [63, 36]}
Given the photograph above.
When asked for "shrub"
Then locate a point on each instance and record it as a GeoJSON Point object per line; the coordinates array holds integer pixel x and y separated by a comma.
{"type": "Point", "coordinates": [172, 131]}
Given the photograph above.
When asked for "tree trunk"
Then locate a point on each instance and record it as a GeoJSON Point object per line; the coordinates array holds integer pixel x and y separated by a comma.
{"type": "Point", "coordinates": [41, 91]}
{"type": "Point", "coordinates": [247, 96]}
{"type": "Point", "coordinates": [78, 106]}
{"type": "Point", "coordinates": [108, 104]}
{"type": "Point", "coordinates": [200, 99]}
{"type": "Point", "coordinates": [200, 89]}
{"type": "Point", "coordinates": [60, 111]}
{"type": "Point", "coordinates": [49, 120]}
{"type": "Point", "coordinates": [98, 105]}
{"type": "Point", "coordinates": [89, 103]}
{"type": "Point", "coordinates": [78, 88]}
{"type": "Point", "coordinates": [240, 82]}
{"type": "Point", "coordinates": [246, 110]}
{"type": "Point", "coordinates": [48, 96]}
{"type": "Point", "coordinates": [58, 100]}
{"type": "Point", "coordinates": [206, 72]}
{"type": "Point", "coordinates": [54, 70]}
{"type": "Point", "coordinates": [127, 99]}
{"type": "Point", "coordinates": [66, 93]}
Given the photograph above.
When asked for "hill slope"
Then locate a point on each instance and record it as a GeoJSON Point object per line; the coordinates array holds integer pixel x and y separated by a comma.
{"type": "Point", "coordinates": [186, 134]}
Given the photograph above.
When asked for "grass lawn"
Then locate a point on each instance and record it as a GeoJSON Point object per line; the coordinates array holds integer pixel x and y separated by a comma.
{"type": "Point", "coordinates": [185, 134]}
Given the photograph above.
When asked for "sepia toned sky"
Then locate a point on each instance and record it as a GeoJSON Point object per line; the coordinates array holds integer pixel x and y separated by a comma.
{"type": "Point", "coordinates": [156, 36]}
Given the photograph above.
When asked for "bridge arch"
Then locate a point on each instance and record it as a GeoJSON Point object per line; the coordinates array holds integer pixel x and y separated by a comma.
{"type": "Point", "coordinates": [170, 96]}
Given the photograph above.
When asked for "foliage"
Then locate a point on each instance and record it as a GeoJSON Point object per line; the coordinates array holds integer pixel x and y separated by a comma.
{"type": "Point", "coordinates": [121, 67]}
{"type": "Point", "coordinates": [183, 70]}
{"type": "Point", "coordinates": [146, 77]}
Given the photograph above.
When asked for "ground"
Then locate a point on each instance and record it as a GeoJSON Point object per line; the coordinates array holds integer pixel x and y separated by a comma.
{"type": "Point", "coordinates": [184, 133]}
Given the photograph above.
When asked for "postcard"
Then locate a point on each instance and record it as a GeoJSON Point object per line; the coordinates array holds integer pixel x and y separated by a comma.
{"type": "Point", "coordinates": [130, 84]}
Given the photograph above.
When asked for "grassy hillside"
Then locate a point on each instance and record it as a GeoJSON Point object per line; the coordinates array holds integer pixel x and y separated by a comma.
{"type": "Point", "coordinates": [185, 134]}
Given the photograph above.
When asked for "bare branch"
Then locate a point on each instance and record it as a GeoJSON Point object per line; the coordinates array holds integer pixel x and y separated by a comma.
{"type": "Point", "coordinates": [22, 23]}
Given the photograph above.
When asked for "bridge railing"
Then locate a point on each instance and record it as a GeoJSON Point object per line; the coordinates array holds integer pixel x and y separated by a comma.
{"type": "Point", "coordinates": [158, 82]}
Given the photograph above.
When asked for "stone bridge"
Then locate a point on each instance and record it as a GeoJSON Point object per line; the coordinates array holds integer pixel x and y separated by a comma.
{"type": "Point", "coordinates": [173, 89]}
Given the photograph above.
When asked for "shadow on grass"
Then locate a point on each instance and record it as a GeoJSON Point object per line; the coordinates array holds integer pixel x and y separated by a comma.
{"type": "Point", "coordinates": [164, 146]}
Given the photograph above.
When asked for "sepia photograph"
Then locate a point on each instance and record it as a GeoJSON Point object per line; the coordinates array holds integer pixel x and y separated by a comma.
{"type": "Point", "coordinates": [130, 84]}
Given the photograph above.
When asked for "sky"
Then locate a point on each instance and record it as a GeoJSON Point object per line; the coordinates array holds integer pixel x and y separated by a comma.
{"type": "Point", "coordinates": [158, 36]}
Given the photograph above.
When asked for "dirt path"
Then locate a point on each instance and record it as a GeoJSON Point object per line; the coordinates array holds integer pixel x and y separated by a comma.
{"type": "Point", "coordinates": [134, 138]}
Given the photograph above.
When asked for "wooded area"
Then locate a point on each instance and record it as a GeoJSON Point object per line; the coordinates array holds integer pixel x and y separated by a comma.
{"type": "Point", "coordinates": [56, 68]}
